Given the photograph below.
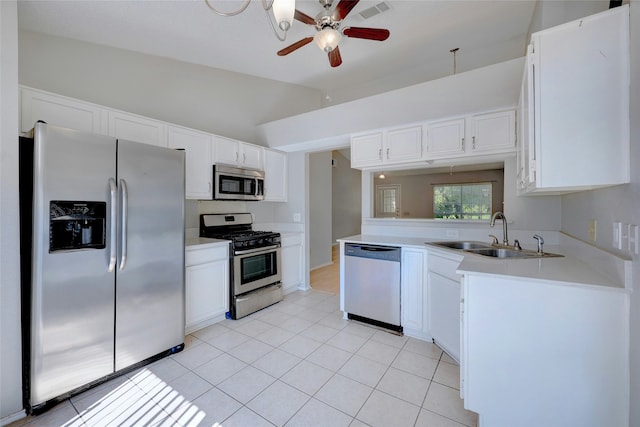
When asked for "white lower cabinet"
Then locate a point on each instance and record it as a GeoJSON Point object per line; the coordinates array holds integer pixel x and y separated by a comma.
{"type": "Point", "coordinates": [443, 288]}
{"type": "Point", "coordinates": [292, 254]}
{"type": "Point", "coordinates": [206, 286]}
{"type": "Point", "coordinates": [412, 293]}
{"type": "Point", "coordinates": [544, 353]}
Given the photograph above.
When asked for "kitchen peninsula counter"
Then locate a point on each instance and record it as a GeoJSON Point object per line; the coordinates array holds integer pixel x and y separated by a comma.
{"type": "Point", "coordinates": [581, 264]}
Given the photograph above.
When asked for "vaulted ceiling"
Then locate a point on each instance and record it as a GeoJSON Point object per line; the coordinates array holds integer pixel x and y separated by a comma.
{"type": "Point", "coordinates": [422, 34]}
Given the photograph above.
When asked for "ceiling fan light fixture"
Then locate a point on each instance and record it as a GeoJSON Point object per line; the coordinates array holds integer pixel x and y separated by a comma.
{"type": "Point", "coordinates": [327, 39]}
{"type": "Point", "coordinates": [283, 11]}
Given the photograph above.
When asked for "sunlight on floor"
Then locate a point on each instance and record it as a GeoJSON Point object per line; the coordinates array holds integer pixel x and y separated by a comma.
{"type": "Point", "coordinates": [143, 399]}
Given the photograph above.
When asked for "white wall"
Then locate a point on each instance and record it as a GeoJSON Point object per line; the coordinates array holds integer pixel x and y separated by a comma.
{"type": "Point", "coordinates": [549, 13]}
{"type": "Point", "coordinates": [621, 203]}
{"type": "Point", "coordinates": [319, 209]}
{"type": "Point", "coordinates": [211, 100]}
{"type": "Point", "coordinates": [10, 358]}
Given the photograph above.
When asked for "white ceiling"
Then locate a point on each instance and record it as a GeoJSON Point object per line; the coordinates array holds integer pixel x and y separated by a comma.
{"type": "Point", "coordinates": [422, 33]}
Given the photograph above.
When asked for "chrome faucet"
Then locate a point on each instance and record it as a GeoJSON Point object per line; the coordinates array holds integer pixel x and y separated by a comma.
{"type": "Point", "coordinates": [540, 243]}
{"type": "Point", "coordinates": [492, 223]}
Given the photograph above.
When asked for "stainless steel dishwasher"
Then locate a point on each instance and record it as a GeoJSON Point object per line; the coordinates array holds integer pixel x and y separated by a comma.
{"type": "Point", "coordinates": [372, 284]}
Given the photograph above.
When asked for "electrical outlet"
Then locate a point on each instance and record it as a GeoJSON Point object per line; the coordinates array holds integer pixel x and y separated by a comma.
{"type": "Point", "coordinates": [296, 217]}
{"type": "Point", "coordinates": [592, 230]}
{"type": "Point", "coordinates": [617, 235]}
{"type": "Point", "coordinates": [451, 234]}
{"type": "Point", "coordinates": [632, 238]}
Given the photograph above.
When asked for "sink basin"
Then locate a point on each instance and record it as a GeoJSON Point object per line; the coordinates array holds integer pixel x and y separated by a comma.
{"type": "Point", "coordinates": [504, 253]}
{"type": "Point", "coordinates": [493, 251]}
{"type": "Point", "coordinates": [464, 245]}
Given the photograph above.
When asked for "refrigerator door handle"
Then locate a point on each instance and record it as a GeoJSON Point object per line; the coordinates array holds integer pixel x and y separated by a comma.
{"type": "Point", "coordinates": [112, 218]}
{"type": "Point", "coordinates": [125, 220]}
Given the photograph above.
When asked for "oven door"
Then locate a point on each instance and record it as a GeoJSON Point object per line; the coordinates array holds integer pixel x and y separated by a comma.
{"type": "Point", "coordinates": [255, 268]}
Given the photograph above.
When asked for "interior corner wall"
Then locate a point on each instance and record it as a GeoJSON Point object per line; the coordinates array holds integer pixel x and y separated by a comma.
{"type": "Point", "coordinates": [10, 347]}
{"type": "Point", "coordinates": [617, 204]}
{"type": "Point", "coordinates": [195, 96]}
{"type": "Point", "coordinates": [319, 209]}
{"type": "Point", "coordinates": [346, 193]}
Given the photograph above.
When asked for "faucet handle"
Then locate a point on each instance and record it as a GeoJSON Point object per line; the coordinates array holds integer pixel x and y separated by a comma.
{"type": "Point", "coordinates": [540, 242]}
{"type": "Point", "coordinates": [494, 239]}
{"type": "Point", "coordinates": [516, 245]}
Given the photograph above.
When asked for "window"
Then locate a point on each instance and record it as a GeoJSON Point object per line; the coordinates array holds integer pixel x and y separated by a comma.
{"type": "Point", "coordinates": [387, 201]}
{"type": "Point", "coordinates": [462, 201]}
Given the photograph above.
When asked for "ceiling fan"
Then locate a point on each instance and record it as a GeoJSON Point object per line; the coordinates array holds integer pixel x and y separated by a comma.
{"type": "Point", "coordinates": [327, 23]}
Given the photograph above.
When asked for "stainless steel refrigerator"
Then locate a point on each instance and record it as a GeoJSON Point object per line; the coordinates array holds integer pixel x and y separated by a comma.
{"type": "Point", "coordinates": [102, 248]}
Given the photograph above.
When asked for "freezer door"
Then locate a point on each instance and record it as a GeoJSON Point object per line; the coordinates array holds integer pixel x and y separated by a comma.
{"type": "Point", "coordinates": [72, 289]}
{"type": "Point", "coordinates": [150, 271]}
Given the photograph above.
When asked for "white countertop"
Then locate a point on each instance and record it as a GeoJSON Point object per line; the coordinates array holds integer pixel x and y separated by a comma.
{"type": "Point", "coordinates": [567, 270]}
{"type": "Point", "coordinates": [204, 243]}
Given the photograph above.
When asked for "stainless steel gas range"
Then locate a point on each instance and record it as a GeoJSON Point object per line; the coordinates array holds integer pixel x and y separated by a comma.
{"type": "Point", "coordinates": [255, 261]}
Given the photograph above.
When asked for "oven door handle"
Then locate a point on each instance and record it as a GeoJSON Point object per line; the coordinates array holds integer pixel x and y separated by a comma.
{"type": "Point", "coordinates": [252, 251]}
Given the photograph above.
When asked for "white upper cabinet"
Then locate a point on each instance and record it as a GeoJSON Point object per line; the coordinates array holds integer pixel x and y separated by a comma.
{"type": "Point", "coordinates": [199, 170]}
{"type": "Point", "coordinates": [366, 150]}
{"type": "Point", "coordinates": [489, 133]}
{"type": "Point", "coordinates": [136, 128]}
{"type": "Point", "coordinates": [577, 88]}
{"type": "Point", "coordinates": [393, 146]}
{"type": "Point", "coordinates": [58, 111]}
{"type": "Point", "coordinates": [445, 139]}
{"type": "Point", "coordinates": [493, 132]}
{"type": "Point", "coordinates": [275, 175]}
{"type": "Point", "coordinates": [236, 153]}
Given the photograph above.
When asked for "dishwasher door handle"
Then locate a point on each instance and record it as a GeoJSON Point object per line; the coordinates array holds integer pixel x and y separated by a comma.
{"type": "Point", "coordinates": [377, 249]}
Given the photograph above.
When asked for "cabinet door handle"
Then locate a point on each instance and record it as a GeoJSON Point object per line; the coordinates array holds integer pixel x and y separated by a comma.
{"type": "Point", "coordinates": [237, 157]}
{"type": "Point", "coordinates": [462, 149]}
{"type": "Point", "coordinates": [473, 142]}
{"type": "Point", "coordinates": [244, 157]}
{"type": "Point", "coordinates": [387, 154]}
{"type": "Point", "coordinates": [380, 153]}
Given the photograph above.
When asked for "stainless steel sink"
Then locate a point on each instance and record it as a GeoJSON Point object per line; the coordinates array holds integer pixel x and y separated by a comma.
{"type": "Point", "coordinates": [493, 251]}
{"type": "Point", "coordinates": [464, 245]}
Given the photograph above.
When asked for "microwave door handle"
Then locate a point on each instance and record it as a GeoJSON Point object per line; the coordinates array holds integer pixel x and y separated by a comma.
{"type": "Point", "coordinates": [125, 221]}
{"type": "Point", "coordinates": [113, 213]}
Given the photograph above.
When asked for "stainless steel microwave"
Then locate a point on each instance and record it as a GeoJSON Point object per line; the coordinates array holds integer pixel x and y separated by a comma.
{"type": "Point", "coordinates": [232, 183]}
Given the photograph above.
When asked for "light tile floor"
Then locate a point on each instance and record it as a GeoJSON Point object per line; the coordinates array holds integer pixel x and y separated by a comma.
{"type": "Point", "coordinates": [296, 363]}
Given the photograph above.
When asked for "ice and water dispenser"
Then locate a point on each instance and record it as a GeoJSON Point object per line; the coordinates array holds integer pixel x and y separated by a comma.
{"type": "Point", "coordinates": [76, 225]}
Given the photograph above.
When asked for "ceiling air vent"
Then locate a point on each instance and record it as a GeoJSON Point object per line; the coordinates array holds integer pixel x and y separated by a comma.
{"type": "Point", "coordinates": [375, 10]}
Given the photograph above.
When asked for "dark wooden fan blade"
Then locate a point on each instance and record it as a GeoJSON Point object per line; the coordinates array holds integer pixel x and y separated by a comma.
{"type": "Point", "coordinates": [344, 7]}
{"type": "Point", "coordinates": [334, 57]}
{"type": "Point", "coordinates": [304, 18]}
{"type": "Point", "coordinates": [297, 45]}
{"type": "Point", "coordinates": [379, 34]}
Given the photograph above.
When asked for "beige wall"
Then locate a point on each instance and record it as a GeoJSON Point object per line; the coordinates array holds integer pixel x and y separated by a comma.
{"type": "Point", "coordinates": [211, 100]}
{"type": "Point", "coordinates": [347, 198]}
{"type": "Point", "coordinates": [417, 190]}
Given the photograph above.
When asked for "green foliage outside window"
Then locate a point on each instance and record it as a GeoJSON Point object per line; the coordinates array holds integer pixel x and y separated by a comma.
{"type": "Point", "coordinates": [462, 201]}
